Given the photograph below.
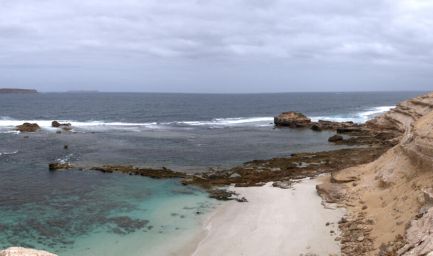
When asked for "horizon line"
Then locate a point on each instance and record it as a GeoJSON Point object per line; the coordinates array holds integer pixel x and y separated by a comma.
{"type": "Point", "coordinates": [282, 92]}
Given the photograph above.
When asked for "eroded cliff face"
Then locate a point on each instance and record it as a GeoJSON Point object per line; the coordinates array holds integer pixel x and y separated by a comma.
{"type": "Point", "coordinates": [19, 251]}
{"type": "Point", "coordinates": [400, 118]}
{"type": "Point", "coordinates": [388, 200]}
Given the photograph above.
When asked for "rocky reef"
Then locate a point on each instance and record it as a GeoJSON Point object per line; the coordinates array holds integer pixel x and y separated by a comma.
{"type": "Point", "coordinates": [281, 171]}
{"type": "Point", "coordinates": [389, 200]}
{"type": "Point", "coordinates": [356, 134]}
{"type": "Point", "coordinates": [28, 127]}
{"type": "Point", "coordinates": [298, 120]}
{"type": "Point", "coordinates": [20, 251]}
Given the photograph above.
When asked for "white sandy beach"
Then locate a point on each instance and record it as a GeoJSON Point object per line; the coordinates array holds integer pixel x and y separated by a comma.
{"type": "Point", "coordinates": [274, 222]}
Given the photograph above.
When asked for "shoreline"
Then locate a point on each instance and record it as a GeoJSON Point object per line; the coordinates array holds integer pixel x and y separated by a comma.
{"type": "Point", "coordinates": [265, 226]}
{"type": "Point", "coordinates": [292, 218]}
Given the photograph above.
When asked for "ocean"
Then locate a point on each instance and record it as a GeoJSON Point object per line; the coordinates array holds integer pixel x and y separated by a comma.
{"type": "Point", "coordinates": [90, 213]}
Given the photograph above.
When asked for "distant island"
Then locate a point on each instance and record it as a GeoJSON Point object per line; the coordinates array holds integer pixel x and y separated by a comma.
{"type": "Point", "coordinates": [15, 90]}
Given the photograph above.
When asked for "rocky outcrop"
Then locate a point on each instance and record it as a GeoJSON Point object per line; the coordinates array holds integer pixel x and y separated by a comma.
{"type": "Point", "coordinates": [419, 236]}
{"type": "Point", "coordinates": [342, 127]}
{"type": "Point", "coordinates": [20, 251]}
{"type": "Point", "coordinates": [59, 166]}
{"type": "Point", "coordinates": [403, 115]}
{"type": "Point", "coordinates": [64, 126]}
{"type": "Point", "coordinates": [292, 119]}
{"type": "Point", "coordinates": [394, 192]}
{"type": "Point", "coordinates": [357, 134]}
{"type": "Point", "coordinates": [299, 120]}
{"type": "Point", "coordinates": [28, 127]}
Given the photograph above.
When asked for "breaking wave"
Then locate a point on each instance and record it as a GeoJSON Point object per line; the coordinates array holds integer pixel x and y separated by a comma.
{"type": "Point", "coordinates": [7, 123]}
{"type": "Point", "coordinates": [359, 117]}
{"type": "Point", "coordinates": [8, 153]}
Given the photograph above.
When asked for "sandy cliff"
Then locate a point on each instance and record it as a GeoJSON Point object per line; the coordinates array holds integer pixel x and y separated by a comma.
{"type": "Point", "coordinates": [389, 199]}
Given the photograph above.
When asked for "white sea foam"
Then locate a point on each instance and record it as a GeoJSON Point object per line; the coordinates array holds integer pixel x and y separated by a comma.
{"type": "Point", "coordinates": [102, 125]}
{"type": "Point", "coordinates": [359, 117]}
{"type": "Point", "coordinates": [65, 159]}
{"type": "Point", "coordinates": [228, 122]}
{"type": "Point", "coordinates": [8, 153]}
{"type": "Point", "coordinates": [7, 124]}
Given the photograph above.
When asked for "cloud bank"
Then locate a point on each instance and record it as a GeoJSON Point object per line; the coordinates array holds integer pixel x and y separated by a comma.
{"type": "Point", "coordinates": [217, 45]}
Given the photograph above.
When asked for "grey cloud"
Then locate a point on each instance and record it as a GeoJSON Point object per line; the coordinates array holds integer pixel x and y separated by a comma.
{"type": "Point", "coordinates": [271, 45]}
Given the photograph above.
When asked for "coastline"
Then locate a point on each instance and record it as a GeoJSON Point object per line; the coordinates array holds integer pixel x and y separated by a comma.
{"type": "Point", "coordinates": [274, 221]}
{"type": "Point", "coordinates": [259, 226]}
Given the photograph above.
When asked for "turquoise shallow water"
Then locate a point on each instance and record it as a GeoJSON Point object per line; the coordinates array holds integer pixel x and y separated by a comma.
{"type": "Point", "coordinates": [118, 214]}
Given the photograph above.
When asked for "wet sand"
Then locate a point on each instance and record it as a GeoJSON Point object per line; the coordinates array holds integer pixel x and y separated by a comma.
{"type": "Point", "coordinates": [274, 222]}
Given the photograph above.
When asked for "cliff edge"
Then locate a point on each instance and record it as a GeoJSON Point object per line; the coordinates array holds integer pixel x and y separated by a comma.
{"type": "Point", "coordinates": [389, 200]}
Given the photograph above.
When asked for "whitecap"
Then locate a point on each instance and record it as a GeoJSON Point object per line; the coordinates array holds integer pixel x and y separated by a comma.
{"type": "Point", "coordinates": [8, 153]}
{"type": "Point", "coordinates": [358, 117]}
{"type": "Point", "coordinates": [230, 122]}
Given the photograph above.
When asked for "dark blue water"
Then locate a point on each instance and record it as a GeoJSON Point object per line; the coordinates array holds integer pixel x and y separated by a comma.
{"type": "Point", "coordinates": [153, 107]}
{"type": "Point", "coordinates": [78, 213]}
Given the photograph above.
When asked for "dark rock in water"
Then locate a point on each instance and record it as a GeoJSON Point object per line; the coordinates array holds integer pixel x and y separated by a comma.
{"type": "Point", "coordinates": [331, 125]}
{"type": "Point", "coordinates": [292, 119]}
{"type": "Point", "coordinates": [28, 127]}
{"type": "Point", "coordinates": [225, 195]}
{"type": "Point", "coordinates": [125, 225]}
{"type": "Point", "coordinates": [348, 129]}
{"type": "Point", "coordinates": [59, 166]}
{"type": "Point", "coordinates": [55, 124]}
{"type": "Point", "coordinates": [335, 138]}
{"type": "Point", "coordinates": [65, 147]}
{"type": "Point", "coordinates": [222, 194]}
{"type": "Point", "coordinates": [316, 128]}
{"type": "Point", "coordinates": [162, 173]}
{"type": "Point", "coordinates": [64, 126]}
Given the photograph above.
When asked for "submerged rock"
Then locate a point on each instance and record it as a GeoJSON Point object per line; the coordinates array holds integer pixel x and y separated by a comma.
{"type": "Point", "coordinates": [335, 138]}
{"type": "Point", "coordinates": [292, 119]}
{"type": "Point", "coordinates": [162, 173]}
{"type": "Point", "coordinates": [28, 127]}
{"type": "Point", "coordinates": [222, 194]}
{"type": "Point", "coordinates": [20, 251]}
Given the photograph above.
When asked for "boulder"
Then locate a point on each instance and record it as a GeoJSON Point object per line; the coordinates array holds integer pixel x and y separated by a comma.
{"type": "Point", "coordinates": [316, 128]}
{"type": "Point", "coordinates": [335, 138]}
{"type": "Point", "coordinates": [20, 251]}
{"type": "Point", "coordinates": [64, 126]}
{"type": "Point", "coordinates": [292, 119]}
{"type": "Point", "coordinates": [28, 127]}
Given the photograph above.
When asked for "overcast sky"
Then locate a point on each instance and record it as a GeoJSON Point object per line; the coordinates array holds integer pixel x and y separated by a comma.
{"type": "Point", "coordinates": [216, 45]}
